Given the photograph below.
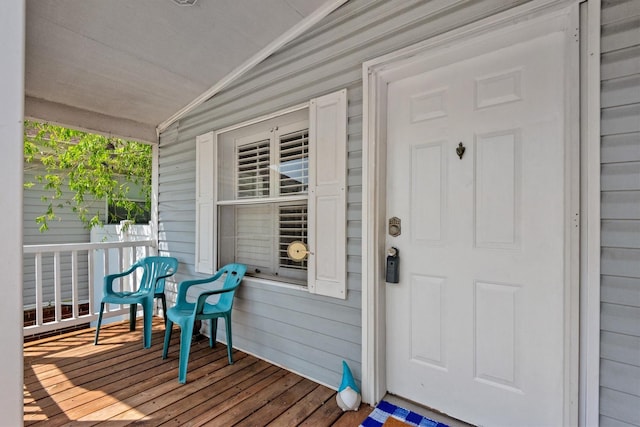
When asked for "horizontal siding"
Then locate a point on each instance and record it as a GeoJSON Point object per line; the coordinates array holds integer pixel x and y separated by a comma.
{"type": "Point", "coordinates": [69, 229]}
{"type": "Point", "coordinates": [619, 64]}
{"type": "Point", "coordinates": [618, 406]}
{"type": "Point", "coordinates": [620, 262]}
{"type": "Point", "coordinates": [620, 176]}
{"type": "Point", "coordinates": [621, 319]}
{"type": "Point", "coordinates": [621, 376]}
{"type": "Point", "coordinates": [617, 347]}
{"type": "Point", "coordinates": [620, 148]}
{"type": "Point", "coordinates": [620, 205]}
{"type": "Point", "coordinates": [611, 422]}
{"type": "Point", "coordinates": [306, 333]}
{"type": "Point", "coordinates": [623, 90]}
{"type": "Point", "coordinates": [621, 234]}
{"type": "Point", "coordinates": [620, 290]}
{"type": "Point", "coordinates": [620, 212]}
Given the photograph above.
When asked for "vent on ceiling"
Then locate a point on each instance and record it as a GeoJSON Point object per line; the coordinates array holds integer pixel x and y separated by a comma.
{"type": "Point", "coordinates": [185, 2]}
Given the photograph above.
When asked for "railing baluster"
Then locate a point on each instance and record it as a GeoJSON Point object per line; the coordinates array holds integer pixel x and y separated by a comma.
{"type": "Point", "coordinates": [74, 285]}
{"type": "Point", "coordinates": [38, 267]}
{"type": "Point", "coordinates": [132, 259]}
{"type": "Point", "coordinates": [105, 263]}
{"type": "Point", "coordinates": [121, 280]}
{"type": "Point", "coordinates": [107, 270]}
{"type": "Point", "coordinates": [90, 272]}
{"type": "Point", "coordinates": [57, 286]}
{"type": "Point", "coordinates": [121, 259]}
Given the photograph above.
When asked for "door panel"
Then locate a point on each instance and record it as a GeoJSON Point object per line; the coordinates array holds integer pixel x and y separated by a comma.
{"type": "Point", "coordinates": [427, 345]}
{"type": "Point", "coordinates": [497, 190]}
{"type": "Point", "coordinates": [428, 199]}
{"type": "Point", "coordinates": [475, 326]}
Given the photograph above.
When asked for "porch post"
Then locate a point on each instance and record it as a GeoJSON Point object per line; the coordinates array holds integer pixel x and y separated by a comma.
{"type": "Point", "coordinates": [12, 51]}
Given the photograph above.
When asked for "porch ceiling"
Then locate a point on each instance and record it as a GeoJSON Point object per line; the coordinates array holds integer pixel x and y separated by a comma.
{"type": "Point", "coordinates": [124, 66]}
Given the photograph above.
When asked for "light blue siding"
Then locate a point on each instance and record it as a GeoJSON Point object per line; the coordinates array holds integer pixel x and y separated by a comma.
{"type": "Point", "coordinates": [620, 211]}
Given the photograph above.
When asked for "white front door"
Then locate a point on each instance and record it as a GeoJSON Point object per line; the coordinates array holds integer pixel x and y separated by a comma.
{"type": "Point", "coordinates": [476, 324]}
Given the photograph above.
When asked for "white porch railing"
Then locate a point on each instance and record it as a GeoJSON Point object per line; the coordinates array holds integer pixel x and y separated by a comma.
{"type": "Point", "coordinates": [101, 259]}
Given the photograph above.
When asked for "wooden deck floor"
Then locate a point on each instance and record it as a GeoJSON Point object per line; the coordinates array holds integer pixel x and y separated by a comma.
{"type": "Point", "coordinates": [69, 381]}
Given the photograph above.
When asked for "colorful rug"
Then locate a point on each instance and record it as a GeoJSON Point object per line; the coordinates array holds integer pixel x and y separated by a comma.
{"type": "Point", "coordinates": [389, 415]}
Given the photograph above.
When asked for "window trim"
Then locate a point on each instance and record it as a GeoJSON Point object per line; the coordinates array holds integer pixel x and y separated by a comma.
{"type": "Point", "coordinates": [275, 115]}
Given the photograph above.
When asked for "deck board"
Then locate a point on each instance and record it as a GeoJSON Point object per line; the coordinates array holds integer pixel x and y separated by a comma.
{"type": "Point", "coordinates": [70, 381]}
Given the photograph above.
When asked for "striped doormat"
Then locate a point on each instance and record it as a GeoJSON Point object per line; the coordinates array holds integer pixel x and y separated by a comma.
{"type": "Point", "coordinates": [389, 415]}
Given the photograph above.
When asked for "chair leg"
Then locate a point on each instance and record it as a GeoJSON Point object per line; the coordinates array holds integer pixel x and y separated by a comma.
{"type": "Point", "coordinates": [95, 340]}
{"type": "Point", "coordinates": [185, 346]}
{"type": "Point", "coordinates": [163, 300]}
{"type": "Point", "coordinates": [167, 338]}
{"type": "Point", "coordinates": [227, 323]}
{"type": "Point", "coordinates": [147, 312]}
{"type": "Point", "coordinates": [213, 331]}
{"type": "Point", "coordinates": [132, 316]}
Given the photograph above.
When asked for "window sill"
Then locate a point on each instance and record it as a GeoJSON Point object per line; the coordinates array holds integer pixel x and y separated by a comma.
{"type": "Point", "coordinates": [261, 281]}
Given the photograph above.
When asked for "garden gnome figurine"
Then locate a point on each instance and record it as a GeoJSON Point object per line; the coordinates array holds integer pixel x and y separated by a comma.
{"type": "Point", "coordinates": [348, 396]}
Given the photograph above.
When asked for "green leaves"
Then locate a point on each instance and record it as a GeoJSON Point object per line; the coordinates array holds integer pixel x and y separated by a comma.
{"type": "Point", "coordinates": [93, 167]}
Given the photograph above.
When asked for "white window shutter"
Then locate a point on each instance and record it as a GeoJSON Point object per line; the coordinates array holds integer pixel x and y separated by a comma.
{"type": "Point", "coordinates": [327, 195]}
{"type": "Point", "coordinates": [205, 232]}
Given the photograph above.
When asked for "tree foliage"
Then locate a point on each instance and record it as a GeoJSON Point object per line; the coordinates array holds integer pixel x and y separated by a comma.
{"type": "Point", "coordinates": [93, 167]}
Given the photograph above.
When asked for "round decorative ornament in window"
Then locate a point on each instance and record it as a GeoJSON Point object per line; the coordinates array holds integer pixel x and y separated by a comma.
{"type": "Point", "coordinates": [297, 251]}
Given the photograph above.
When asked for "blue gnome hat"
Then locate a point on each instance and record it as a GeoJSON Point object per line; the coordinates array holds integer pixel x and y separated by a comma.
{"type": "Point", "coordinates": [348, 397]}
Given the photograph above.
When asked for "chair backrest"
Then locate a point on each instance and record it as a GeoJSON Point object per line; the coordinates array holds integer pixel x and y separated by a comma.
{"type": "Point", "coordinates": [234, 275]}
{"type": "Point", "coordinates": [154, 267]}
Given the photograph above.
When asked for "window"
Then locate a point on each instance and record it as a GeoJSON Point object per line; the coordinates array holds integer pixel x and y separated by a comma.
{"type": "Point", "coordinates": [267, 182]}
{"type": "Point", "coordinates": [139, 212]}
{"type": "Point", "coordinates": [264, 207]}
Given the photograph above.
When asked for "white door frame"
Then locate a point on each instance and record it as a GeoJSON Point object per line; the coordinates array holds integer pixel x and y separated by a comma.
{"type": "Point", "coordinates": [589, 400]}
{"type": "Point", "coordinates": [374, 198]}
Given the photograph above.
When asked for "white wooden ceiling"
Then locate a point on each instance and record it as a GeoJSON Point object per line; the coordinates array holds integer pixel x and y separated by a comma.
{"type": "Point", "coordinates": [125, 66]}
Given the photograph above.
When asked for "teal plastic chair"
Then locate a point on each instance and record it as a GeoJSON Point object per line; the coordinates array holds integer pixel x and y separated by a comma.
{"type": "Point", "coordinates": [186, 313]}
{"type": "Point", "coordinates": [155, 269]}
